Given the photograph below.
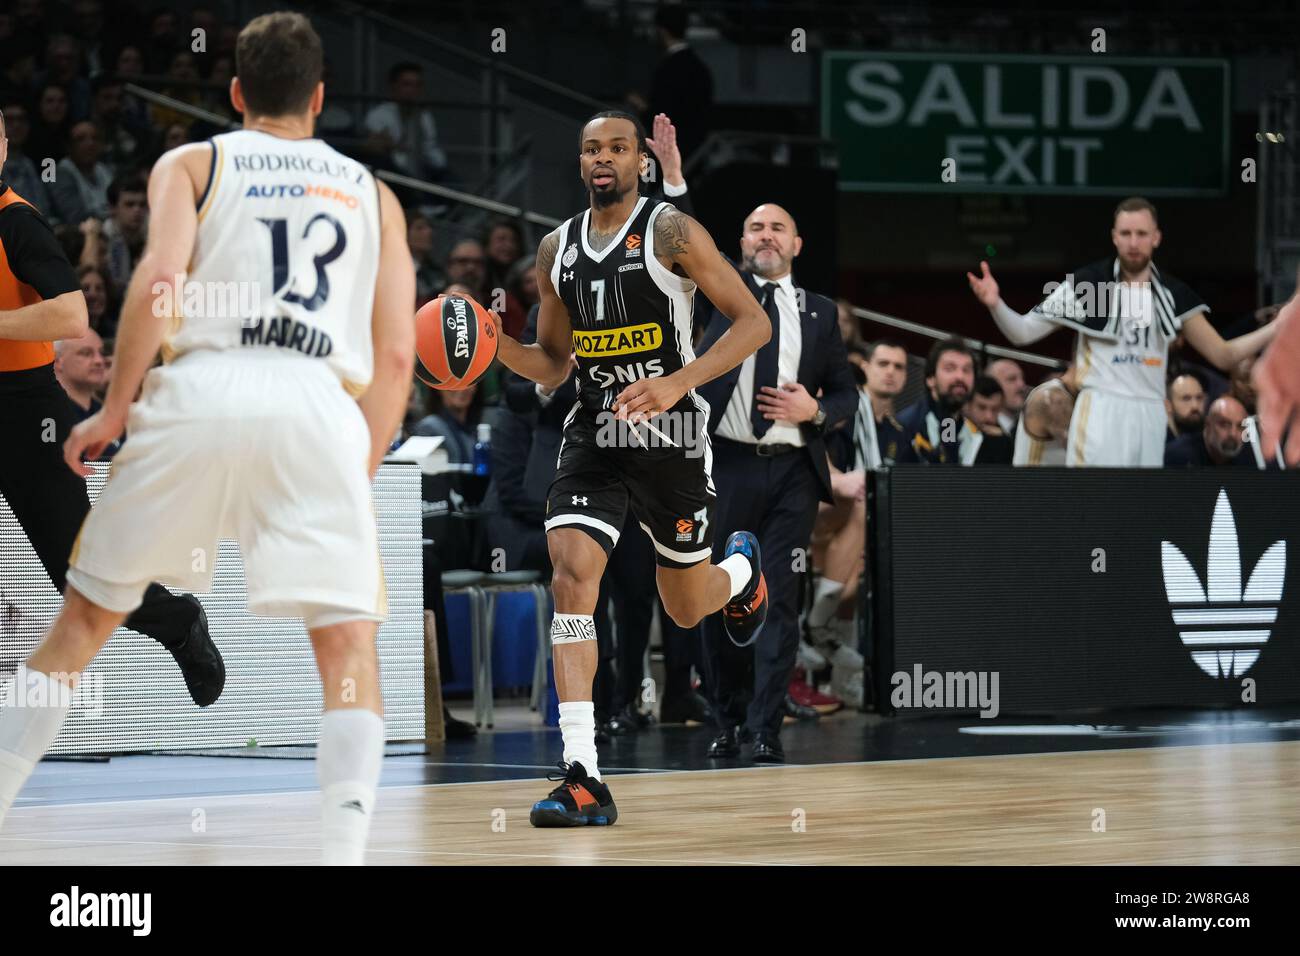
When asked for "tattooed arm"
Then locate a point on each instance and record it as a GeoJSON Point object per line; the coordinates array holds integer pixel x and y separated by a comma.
{"type": "Point", "coordinates": [684, 246]}
{"type": "Point", "coordinates": [547, 360]}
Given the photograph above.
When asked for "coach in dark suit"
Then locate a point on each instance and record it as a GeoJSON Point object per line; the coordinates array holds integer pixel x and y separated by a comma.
{"type": "Point", "coordinates": [769, 469]}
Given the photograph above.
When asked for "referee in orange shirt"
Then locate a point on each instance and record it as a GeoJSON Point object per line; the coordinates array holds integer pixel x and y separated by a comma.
{"type": "Point", "coordinates": [40, 301]}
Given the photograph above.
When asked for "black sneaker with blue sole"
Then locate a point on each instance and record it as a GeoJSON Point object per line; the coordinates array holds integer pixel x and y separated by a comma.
{"type": "Point", "coordinates": [579, 801]}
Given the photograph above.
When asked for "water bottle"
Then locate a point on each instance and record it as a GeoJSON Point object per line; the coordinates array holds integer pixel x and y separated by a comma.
{"type": "Point", "coordinates": [483, 451]}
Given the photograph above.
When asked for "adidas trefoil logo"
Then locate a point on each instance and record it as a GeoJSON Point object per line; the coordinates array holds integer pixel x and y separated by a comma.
{"type": "Point", "coordinates": [1223, 626]}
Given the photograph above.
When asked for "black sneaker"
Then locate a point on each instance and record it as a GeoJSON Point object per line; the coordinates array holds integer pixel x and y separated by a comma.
{"type": "Point", "coordinates": [744, 615]}
{"type": "Point", "coordinates": [579, 801]}
{"type": "Point", "coordinates": [200, 661]}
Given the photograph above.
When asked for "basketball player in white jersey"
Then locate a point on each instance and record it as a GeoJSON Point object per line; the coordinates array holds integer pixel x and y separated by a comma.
{"type": "Point", "coordinates": [1126, 313]}
{"type": "Point", "coordinates": [264, 425]}
{"type": "Point", "coordinates": [1044, 426]}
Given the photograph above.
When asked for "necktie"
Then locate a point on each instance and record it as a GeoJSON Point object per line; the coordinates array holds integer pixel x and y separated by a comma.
{"type": "Point", "coordinates": [765, 361]}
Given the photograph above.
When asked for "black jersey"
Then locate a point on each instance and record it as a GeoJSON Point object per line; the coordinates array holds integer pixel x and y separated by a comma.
{"type": "Point", "coordinates": [631, 317]}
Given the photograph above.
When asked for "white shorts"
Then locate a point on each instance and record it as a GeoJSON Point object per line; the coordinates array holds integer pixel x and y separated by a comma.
{"type": "Point", "coordinates": [1115, 431]}
{"type": "Point", "coordinates": [262, 446]}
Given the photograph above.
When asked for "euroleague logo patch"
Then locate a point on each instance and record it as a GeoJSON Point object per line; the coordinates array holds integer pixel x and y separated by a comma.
{"type": "Point", "coordinates": [685, 529]}
{"type": "Point", "coordinates": [633, 245]}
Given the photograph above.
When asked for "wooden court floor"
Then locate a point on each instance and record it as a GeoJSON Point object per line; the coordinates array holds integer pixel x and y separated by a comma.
{"type": "Point", "coordinates": [1215, 804]}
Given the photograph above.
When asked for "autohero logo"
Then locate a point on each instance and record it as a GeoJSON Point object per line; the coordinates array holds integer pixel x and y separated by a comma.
{"type": "Point", "coordinates": [1223, 626]}
{"type": "Point", "coordinates": [459, 325]}
{"type": "Point", "coordinates": [77, 909]}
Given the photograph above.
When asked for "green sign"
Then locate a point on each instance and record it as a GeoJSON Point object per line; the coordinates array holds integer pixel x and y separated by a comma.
{"type": "Point", "coordinates": [1042, 124]}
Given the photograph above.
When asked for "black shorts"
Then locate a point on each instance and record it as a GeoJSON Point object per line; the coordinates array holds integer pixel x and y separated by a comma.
{"type": "Point", "coordinates": [670, 489]}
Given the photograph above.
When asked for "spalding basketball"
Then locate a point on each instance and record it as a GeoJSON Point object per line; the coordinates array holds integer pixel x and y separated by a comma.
{"type": "Point", "coordinates": [455, 342]}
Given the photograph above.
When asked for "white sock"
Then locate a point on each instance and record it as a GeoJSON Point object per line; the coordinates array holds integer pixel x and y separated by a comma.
{"type": "Point", "coordinates": [826, 601]}
{"type": "Point", "coordinates": [738, 569]}
{"type": "Point", "coordinates": [348, 760]}
{"type": "Point", "coordinates": [578, 727]}
{"type": "Point", "coordinates": [37, 707]}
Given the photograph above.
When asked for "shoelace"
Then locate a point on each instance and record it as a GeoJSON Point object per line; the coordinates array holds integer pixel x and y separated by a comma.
{"type": "Point", "coordinates": [569, 773]}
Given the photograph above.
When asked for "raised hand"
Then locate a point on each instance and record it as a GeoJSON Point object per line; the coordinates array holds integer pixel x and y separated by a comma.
{"type": "Point", "coordinates": [984, 286]}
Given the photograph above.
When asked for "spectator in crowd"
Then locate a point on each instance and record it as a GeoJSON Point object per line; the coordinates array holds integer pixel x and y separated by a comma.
{"type": "Point", "coordinates": [504, 244]}
{"type": "Point", "coordinates": [80, 188]}
{"type": "Point", "coordinates": [1221, 442]}
{"type": "Point", "coordinates": [121, 148]}
{"type": "Point", "coordinates": [162, 42]}
{"type": "Point", "coordinates": [769, 467]}
{"type": "Point", "coordinates": [94, 287]}
{"type": "Point", "coordinates": [183, 84]}
{"type": "Point", "coordinates": [1011, 377]}
{"type": "Point", "coordinates": [682, 86]}
{"type": "Point", "coordinates": [935, 427]}
{"type": "Point", "coordinates": [402, 134]}
{"type": "Point", "coordinates": [1241, 387]}
{"type": "Point", "coordinates": [467, 266]}
{"type": "Point", "coordinates": [456, 415]}
{"type": "Point", "coordinates": [521, 294]}
{"type": "Point", "coordinates": [89, 27]}
{"type": "Point", "coordinates": [49, 137]}
{"type": "Point", "coordinates": [429, 279]}
{"type": "Point", "coordinates": [1184, 405]}
{"type": "Point", "coordinates": [850, 327]}
{"type": "Point", "coordinates": [16, 166]}
{"type": "Point", "coordinates": [126, 229]}
{"type": "Point", "coordinates": [17, 69]}
{"type": "Point", "coordinates": [63, 66]}
{"type": "Point", "coordinates": [984, 407]}
{"type": "Point", "coordinates": [80, 368]}
{"type": "Point", "coordinates": [128, 66]}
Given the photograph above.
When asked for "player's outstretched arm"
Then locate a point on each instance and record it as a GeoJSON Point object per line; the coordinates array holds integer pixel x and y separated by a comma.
{"type": "Point", "coordinates": [392, 330]}
{"type": "Point", "coordinates": [1223, 353]}
{"type": "Point", "coordinates": [176, 181]}
{"type": "Point", "coordinates": [689, 245]}
{"type": "Point", "coordinates": [1019, 329]}
{"type": "Point", "coordinates": [547, 360]}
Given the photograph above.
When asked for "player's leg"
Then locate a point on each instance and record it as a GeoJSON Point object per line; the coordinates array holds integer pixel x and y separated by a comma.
{"type": "Point", "coordinates": [579, 560]}
{"type": "Point", "coordinates": [43, 687]}
{"type": "Point", "coordinates": [50, 502]}
{"type": "Point", "coordinates": [1150, 428]}
{"type": "Point", "coordinates": [1091, 441]}
{"type": "Point", "coordinates": [350, 750]}
{"type": "Point", "coordinates": [585, 506]}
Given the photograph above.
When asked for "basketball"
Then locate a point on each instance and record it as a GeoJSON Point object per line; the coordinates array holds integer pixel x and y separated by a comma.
{"type": "Point", "coordinates": [455, 342]}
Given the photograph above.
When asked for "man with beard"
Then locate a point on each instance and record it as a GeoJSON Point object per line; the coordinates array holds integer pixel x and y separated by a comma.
{"type": "Point", "coordinates": [1011, 377]}
{"type": "Point", "coordinates": [616, 283]}
{"type": "Point", "coordinates": [771, 470]}
{"type": "Point", "coordinates": [1185, 406]}
{"type": "Point", "coordinates": [1126, 313]}
{"type": "Point", "coordinates": [1218, 444]}
{"type": "Point", "coordinates": [935, 427]}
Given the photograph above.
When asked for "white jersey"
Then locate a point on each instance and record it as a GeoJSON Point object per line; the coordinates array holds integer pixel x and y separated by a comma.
{"type": "Point", "coordinates": [1032, 451]}
{"type": "Point", "coordinates": [286, 255]}
{"type": "Point", "coordinates": [1125, 330]}
{"type": "Point", "coordinates": [1135, 365]}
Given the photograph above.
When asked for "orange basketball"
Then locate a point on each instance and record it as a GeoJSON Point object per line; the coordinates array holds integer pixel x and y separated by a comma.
{"type": "Point", "coordinates": [455, 342]}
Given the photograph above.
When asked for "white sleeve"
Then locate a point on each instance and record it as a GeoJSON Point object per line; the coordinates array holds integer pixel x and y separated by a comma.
{"type": "Point", "coordinates": [1020, 329]}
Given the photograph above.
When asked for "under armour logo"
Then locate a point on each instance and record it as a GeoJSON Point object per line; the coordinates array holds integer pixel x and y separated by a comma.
{"type": "Point", "coordinates": [581, 501]}
{"type": "Point", "coordinates": [566, 276]}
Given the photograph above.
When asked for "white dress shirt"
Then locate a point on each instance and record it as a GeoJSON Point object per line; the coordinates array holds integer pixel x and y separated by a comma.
{"type": "Point", "coordinates": [736, 424]}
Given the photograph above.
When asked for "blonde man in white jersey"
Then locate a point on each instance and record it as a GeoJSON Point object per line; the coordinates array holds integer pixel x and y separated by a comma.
{"type": "Point", "coordinates": [1126, 313]}
{"type": "Point", "coordinates": [251, 429]}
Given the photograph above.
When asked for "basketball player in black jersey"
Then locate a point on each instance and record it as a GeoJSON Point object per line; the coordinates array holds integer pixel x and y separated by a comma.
{"type": "Point", "coordinates": [616, 283]}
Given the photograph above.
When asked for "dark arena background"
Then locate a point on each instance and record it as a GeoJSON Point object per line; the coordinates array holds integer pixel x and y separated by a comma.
{"type": "Point", "coordinates": [982, 648]}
